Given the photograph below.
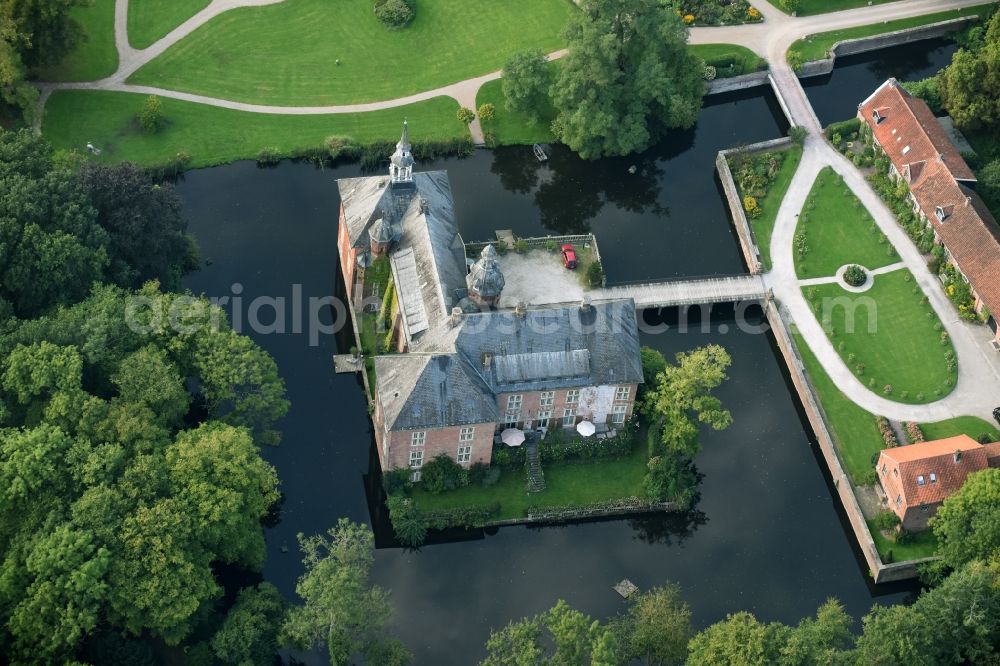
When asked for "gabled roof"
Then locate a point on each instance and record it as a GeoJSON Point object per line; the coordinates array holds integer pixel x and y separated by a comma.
{"type": "Point", "coordinates": [906, 465]}
{"type": "Point", "coordinates": [431, 391]}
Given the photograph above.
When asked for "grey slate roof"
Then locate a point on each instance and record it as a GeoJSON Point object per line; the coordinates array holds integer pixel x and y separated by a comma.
{"type": "Point", "coordinates": [432, 391]}
{"type": "Point", "coordinates": [553, 347]}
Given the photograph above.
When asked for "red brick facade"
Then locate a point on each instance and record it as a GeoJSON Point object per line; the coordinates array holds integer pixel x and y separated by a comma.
{"type": "Point", "coordinates": [531, 411]}
{"type": "Point", "coordinates": [348, 262]}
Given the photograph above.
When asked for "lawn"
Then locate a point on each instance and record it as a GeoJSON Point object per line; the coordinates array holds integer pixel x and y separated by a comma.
{"type": "Point", "coordinates": [838, 231]}
{"type": "Point", "coordinates": [853, 429]}
{"type": "Point", "coordinates": [567, 484]}
{"type": "Point", "coordinates": [513, 127]}
{"type": "Point", "coordinates": [810, 7]}
{"type": "Point", "coordinates": [287, 53]}
{"type": "Point", "coordinates": [729, 59]}
{"type": "Point", "coordinates": [894, 338]}
{"type": "Point", "coordinates": [763, 224]}
{"type": "Point", "coordinates": [817, 46]}
{"type": "Point", "coordinates": [150, 20]}
{"type": "Point", "coordinates": [922, 544]}
{"type": "Point", "coordinates": [973, 426]}
{"type": "Point", "coordinates": [95, 56]}
{"type": "Point", "coordinates": [211, 135]}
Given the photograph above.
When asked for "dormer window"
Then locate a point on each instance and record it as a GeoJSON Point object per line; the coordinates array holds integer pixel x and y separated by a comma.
{"type": "Point", "coordinates": [940, 214]}
{"type": "Point", "coordinates": [933, 477]}
{"type": "Point", "coordinates": [920, 479]}
{"type": "Point", "coordinates": [877, 117]}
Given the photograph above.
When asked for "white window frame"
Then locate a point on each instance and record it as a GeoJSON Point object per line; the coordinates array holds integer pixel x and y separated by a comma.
{"type": "Point", "coordinates": [618, 414]}
{"type": "Point", "coordinates": [467, 434]}
{"type": "Point", "coordinates": [546, 399]}
{"type": "Point", "coordinates": [514, 402]}
{"type": "Point", "coordinates": [464, 453]}
{"type": "Point", "coordinates": [572, 396]}
{"type": "Point", "coordinates": [623, 393]}
{"type": "Point", "coordinates": [920, 480]}
{"type": "Point", "coordinates": [418, 438]}
{"type": "Point", "coordinates": [544, 418]}
{"type": "Point", "coordinates": [510, 419]}
{"type": "Point", "coordinates": [416, 458]}
{"type": "Point", "coordinates": [569, 418]}
{"type": "Point", "coordinates": [933, 477]}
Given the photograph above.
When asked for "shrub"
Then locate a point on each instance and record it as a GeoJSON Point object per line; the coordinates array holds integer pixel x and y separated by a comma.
{"type": "Point", "coordinates": [855, 275]}
{"type": "Point", "coordinates": [708, 72]}
{"type": "Point", "coordinates": [440, 474]}
{"type": "Point", "coordinates": [551, 246]}
{"type": "Point", "coordinates": [751, 206]}
{"type": "Point", "coordinates": [914, 432]}
{"type": "Point", "coordinates": [521, 246]}
{"type": "Point", "coordinates": [397, 481]}
{"type": "Point", "coordinates": [465, 115]}
{"type": "Point", "coordinates": [150, 116]}
{"type": "Point", "coordinates": [505, 456]}
{"type": "Point", "coordinates": [595, 274]}
{"type": "Point", "coordinates": [798, 134]}
{"type": "Point", "coordinates": [487, 112]}
{"type": "Point", "coordinates": [408, 524]}
{"type": "Point", "coordinates": [887, 389]}
{"type": "Point", "coordinates": [268, 157]}
{"type": "Point", "coordinates": [888, 434]}
{"type": "Point", "coordinates": [394, 14]}
{"type": "Point", "coordinates": [795, 59]}
{"type": "Point", "coordinates": [886, 520]}
{"type": "Point", "coordinates": [342, 147]}
{"type": "Point", "coordinates": [835, 131]}
{"type": "Point", "coordinates": [477, 472]}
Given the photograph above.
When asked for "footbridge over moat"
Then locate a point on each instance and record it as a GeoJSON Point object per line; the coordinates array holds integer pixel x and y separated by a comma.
{"type": "Point", "coordinates": [697, 291]}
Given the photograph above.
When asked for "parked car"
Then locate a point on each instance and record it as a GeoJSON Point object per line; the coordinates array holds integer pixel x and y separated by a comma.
{"type": "Point", "coordinates": [996, 414]}
{"type": "Point", "coordinates": [569, 256]}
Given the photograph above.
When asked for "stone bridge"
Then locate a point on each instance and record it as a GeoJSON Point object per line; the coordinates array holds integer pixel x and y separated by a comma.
{"type": "Point", "coordinates": [698, 291]}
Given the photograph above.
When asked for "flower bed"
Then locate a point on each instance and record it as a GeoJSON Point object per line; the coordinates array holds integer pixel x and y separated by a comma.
{"type": "Point", "coordinates": [713, 12]}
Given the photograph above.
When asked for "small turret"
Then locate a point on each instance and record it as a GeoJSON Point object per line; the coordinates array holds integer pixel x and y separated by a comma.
{"type": "Point", "coordinates": [485, 279]}
{"type": "Point", "coordinates": [401, 162]}
{"type": "Point", "coordinates": [380, 236]}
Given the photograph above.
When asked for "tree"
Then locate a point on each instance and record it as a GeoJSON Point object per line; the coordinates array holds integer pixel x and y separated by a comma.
{"type": "Point", "coordinates": [525, 81]}
{"type": "Point", "coordinates": [441, 473]}
{"type": "Point", "coordinates": [144, 224]}
{"type": "Point", "coordinates": [660, 622]}
{"type": "Point", "coordinates": [561, 635]}
{"type": "Point", "coordinates": [341, 608]}
{"type": "Point", "coordinates": [465, 115]}
{"type": "Point", "coordinates": [487, 112]}
{"type": "Point", "coordinates": [739, 639]}
{"type": "Point", "coordinates": [967, 525]}
{"type": "Point", "coordinates": [682, 393]}
{"type": "Point", "coordinates": [150, 116]}
{"type": "Point", "coordinates": [249, 635]}
{"type": "Point", "coordinates": [628, 77]}
{"type": "Point", "coordinates": [989, 179]}
{"type": "Point", "coordinates": [968, 85]}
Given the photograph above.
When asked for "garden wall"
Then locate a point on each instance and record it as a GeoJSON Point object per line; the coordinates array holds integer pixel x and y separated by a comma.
{"type": "Point", "coordinates": [880, 572]}
{"type": "Point", "coordinates": [741, 82]}
{"type": "Point", "coordinates": [864, 44]}
{"type": "Point", "coordinates": [748, 242]}
{"type": "Point", "coordinates": [625, 507]}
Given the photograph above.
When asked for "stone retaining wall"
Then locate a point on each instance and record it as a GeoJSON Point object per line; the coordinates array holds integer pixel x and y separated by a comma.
{"type": "Point", "coordinates": [748, 242]}
{"type": "Point", "coordinates": [864, 44]}
{"type": "Point", "coordinates": [880, 572]}
{"type": "Point", "coordinates": [583, 514]}
{"type": "Point", "coordinates": [741, 82]}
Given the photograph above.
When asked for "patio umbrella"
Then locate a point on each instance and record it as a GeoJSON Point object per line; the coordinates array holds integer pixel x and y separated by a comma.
{"type": "Point", "coordinates": [512, 437]}
{"type": "Point", "coordinates": [586, 428]}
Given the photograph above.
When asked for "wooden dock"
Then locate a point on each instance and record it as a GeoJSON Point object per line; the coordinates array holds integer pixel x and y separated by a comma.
{"type": "Point", "coordinates": [626, 588]}
{"type": "Point", "coordinates": [506, 236]}
{"type": "Point", "coordinates": [347, 363]}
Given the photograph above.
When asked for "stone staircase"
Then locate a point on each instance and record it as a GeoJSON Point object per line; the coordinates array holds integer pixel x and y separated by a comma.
{"type": "Point", "coordinates": [533, 466]}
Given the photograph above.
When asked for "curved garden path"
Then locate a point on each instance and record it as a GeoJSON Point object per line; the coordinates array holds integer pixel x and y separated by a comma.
{"type": "Point", "coordinates": [978, 386]}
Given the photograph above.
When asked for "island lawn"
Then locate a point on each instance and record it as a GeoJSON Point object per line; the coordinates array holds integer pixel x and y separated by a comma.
{"type": "Point", "coordinates": [763, 224]}
{"type": "Point", "coordinates": [568, 484]}
{"type": "Point", "coordinates": [817, 46]}
{"type": "Point", "coordinates": [151, 20]}
{"type": "Point", "coordinates": [729, 59]}
{"type": "Point", "coordinates": [922, 544]}
{"type": "Point", "coordinates": [297, 46]}
{"type": "Point", "coordinates": [903, 349]}
{"type": "Point", "coordinates": [838, 231]}
{"type": "Point", "coordinates": [973, 426]}
{"type": "Point", "coordinates": [211, 135]}
{"type": "Point", "coordinates": [95, 56]}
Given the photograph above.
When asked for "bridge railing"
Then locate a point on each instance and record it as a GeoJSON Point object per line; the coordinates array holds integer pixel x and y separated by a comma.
{"type": "Point", "coordinates": [744, 277]}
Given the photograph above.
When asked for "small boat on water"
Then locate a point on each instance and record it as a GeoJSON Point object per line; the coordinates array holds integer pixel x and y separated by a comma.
{"type": "Point", "coordinates": [539, 153]}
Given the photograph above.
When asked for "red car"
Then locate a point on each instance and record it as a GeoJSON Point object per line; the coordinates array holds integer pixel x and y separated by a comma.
{"type": "Point", "coordinates": [569, 256]}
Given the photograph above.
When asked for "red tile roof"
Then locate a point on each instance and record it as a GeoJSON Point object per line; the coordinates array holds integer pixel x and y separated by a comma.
{"type": "Point", "coordinates": [906, 466]}
{"type": "Point", "coordinates": [923, 154]}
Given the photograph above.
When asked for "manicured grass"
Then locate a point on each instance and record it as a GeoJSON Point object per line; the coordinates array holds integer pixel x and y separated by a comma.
{"type": "Point", "coordinates": [286, 53]}
{"type": "Point", "coordinates": [921, 545]}
{"type": "Point", "coordinates": [95, 56]}
{"type": "Point", "coordinates": [810, 7]}
{"type": "Point", "coordinates": [719, 55]}
{"type": "Point", "coordinates": [838, 231]}
{"type": "Point", "coordinates": [150, 20]}
{"type": "Point", "coordinates": [853, 429]}
{"type": "Point", "coordinates": [567, 484]}
{"type": "Point", "coordinates": [894, 334]}
{"type": "Point", "coordinates": [763, 225]}
{"type": "Point", "coordinates": [512, 127]}
{"type": "Point", "coordinates": [212, 135]}
{"type": "Point", "coordinates": [817, 46]}
{"type": "Point", "coordinates": [973, 426]}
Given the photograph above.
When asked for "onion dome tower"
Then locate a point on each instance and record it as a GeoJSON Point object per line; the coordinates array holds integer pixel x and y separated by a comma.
{"type": "Point", "coordinates": [485, 279]}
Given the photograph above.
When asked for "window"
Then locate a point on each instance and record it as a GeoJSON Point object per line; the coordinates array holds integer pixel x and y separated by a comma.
{"type": "Point", "coordinates": [923, 508]}
{"type": "Point", "coordinates": [466, 434]}
{"type": "Point", "coordinates": [572, 396]}
{"type": "Point", "coordinates": [416, 458]}
{"type": "Point", "coordinates": [514, 403]}
{"type": "Point", "coordinates": [543, 418]}
{"type": "Point", "coordinates": [920, 479]}
{"type": "Point", "coordinates": [618, 414]}
{"type": "Point", "coordinates": [623, 392]}
{"type": "Point", "coordinates": [876, 116]}
{"type": "Point", "coordinates": [899, 500]}
{"type": "Point", "coordinates": [895, 471]}
{"type": "Point", "coordinates": [510, 419]}
{"type": "Point", "coordinates": [883, 468]}
{"type": "Point", "coordinates": [933, 477]}
{"type": "Point", "coordinates": [546, 399]}
{"type": "Point", "coordinates": [415, 476]}
{"type": "Point", "coordinates": [939, 213]}
{"type": "Point", "coordinates": [464, 454]}
{"type": "Point", "coordinates": [569, 418]}
{"type": "Point", "coordinates": [418, 438]}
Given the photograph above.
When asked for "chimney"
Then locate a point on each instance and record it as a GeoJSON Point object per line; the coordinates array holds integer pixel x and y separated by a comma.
{"type": "Point", "coordinates": [456, 316]}
{"type": "Point", "coordinates": [585, 304]}
{"type": "Point", "coordinates": [958, 456]}
{"type": "Point", "coordinates": [521, 309]}
{"type": "Point", "coordinates": [968, 200]}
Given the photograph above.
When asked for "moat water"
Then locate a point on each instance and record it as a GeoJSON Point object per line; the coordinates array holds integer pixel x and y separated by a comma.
{"type": "Point", "coordinates": [767, 534]}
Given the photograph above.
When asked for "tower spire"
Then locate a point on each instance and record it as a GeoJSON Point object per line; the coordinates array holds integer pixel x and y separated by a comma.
{"type": "Point", "coordinates": [401, 162]}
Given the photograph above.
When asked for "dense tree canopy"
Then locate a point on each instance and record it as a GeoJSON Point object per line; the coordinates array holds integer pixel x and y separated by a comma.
{"type": "Point", "coordinates": [968, 86]}
{"type": "Point", "coordinates": [967, 525]}
{"type": "Point", "coordinates": [627, 78]}
{"type": "Point", "coordinates": [526, 84]}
